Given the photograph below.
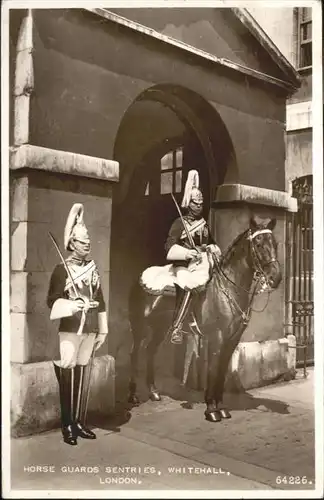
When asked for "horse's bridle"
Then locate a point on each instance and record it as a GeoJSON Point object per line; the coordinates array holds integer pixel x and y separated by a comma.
{"type": "Point", "coordinates": [259, 267]}
{"type": "Point", "coordinates": [260, 276]}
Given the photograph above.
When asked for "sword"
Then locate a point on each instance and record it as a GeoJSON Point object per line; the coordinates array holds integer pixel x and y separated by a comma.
{"type": "Point", "coordinates": [189, 236]}
{"type": "Point", "coordinates": [64, 264]}
{"type": "Point", "coordinates": [71, 279]}
{"type": "Point", "coordinates": [85, 410]}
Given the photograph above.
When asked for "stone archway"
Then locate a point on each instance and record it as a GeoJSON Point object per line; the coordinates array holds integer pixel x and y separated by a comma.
{"type": "Point", "coordinates": [195, 113]}
{"type": "Point", "coordinates": [164, 124]}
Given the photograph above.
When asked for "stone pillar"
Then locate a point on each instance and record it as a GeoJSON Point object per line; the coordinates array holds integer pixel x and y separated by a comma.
{"type": "Point", "coordinates": [24, 80]}
{"type": "Point", "coordinates": [23, 87]}
{"type": "Point", "coordinates": [263, 345]}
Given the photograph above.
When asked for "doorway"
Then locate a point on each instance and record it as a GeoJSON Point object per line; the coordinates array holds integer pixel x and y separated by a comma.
{"type": "Point", "coordinates": [165, 133]}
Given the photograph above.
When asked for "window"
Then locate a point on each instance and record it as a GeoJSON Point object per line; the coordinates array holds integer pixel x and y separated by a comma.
{"type": "Point", "coordinates": [170, 173]}
{"type": "Point", "coordinates": [304, 37]}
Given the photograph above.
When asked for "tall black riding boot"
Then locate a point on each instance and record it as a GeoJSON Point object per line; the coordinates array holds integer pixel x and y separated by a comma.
{"type": "Point", "coordinates": [183, 299]}
{"type": "Point", "coordinates": [79, 399]}
{"type": "Point", "coordinates": [64, 377]}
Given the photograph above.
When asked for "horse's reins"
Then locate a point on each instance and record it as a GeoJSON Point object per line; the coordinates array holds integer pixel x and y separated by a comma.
{"type": "Point", "coordinates": [259, 274]}
{"type": "Point", "coordinates": [259, 269]}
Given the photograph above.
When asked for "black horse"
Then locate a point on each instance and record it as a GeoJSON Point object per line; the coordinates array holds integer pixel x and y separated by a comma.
{"type": "Point", "coordinates": [222, 310]}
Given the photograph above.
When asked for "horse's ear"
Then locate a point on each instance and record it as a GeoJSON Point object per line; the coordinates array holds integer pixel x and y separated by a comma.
{"type": "Point", "coordinates": [272, 224]}
{"type": "Point", "coordinates": [253, 223]}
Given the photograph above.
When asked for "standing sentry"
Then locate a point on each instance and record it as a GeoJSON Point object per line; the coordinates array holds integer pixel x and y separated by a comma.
{"type": "Point", "coordinates": [75, 297]}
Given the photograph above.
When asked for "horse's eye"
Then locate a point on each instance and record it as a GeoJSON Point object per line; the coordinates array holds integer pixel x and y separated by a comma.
{"type": "Point", "coordinates": [258, 238]}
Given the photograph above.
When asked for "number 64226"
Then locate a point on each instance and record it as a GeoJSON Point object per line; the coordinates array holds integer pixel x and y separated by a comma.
{"type": "Point", "coordinates": [292, 480]}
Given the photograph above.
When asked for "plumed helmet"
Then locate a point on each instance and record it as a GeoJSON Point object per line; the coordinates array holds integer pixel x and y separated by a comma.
{"type": "Point", "coordinates": [192, 191]}
{"type": "Point", "coordinates": [75, 227]}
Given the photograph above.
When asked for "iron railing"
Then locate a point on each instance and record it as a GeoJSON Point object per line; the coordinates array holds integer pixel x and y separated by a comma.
{"type": "Point", "coordinates": [300, 272]}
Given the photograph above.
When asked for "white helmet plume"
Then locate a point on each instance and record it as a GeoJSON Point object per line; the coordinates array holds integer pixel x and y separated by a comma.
{"type": "Point", "coordinates": [75, 226]}
{"type": "Point", "coordinates": [191, 188]}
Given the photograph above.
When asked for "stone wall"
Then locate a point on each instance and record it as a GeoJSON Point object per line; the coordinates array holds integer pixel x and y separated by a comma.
{"type": "Point", "coordinates": [216, 30]}
{"type": "Point", "coordinates": [84, 89]}
{"type": "Point", "coordinates": [35, 404]}
{"type": "Point", "coordinates": [299, 154]}
{"type": "Point", "coordinates": [279, 25]}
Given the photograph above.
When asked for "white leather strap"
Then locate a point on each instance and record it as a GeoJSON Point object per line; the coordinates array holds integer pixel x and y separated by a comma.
{"type": "Point", "coordinates": [260, 231]}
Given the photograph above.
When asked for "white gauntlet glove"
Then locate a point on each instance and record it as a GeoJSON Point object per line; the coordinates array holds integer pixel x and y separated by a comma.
{"type": "Point", "coordinates": [177, 252]}
{"type": "Point", "coordinates": [103, 330]}
{"type": "Point", "coordinates": [63, 308]}
{"type": "Point", "coordinates": [99, 340]}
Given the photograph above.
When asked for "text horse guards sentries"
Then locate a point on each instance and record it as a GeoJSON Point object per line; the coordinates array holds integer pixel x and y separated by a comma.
{"type": "Point", "coordinates": [222, 310]}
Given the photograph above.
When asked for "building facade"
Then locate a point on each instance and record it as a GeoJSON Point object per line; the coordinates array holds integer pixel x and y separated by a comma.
{"type": "Point", "coordinates": [291, 30]}
{"type": "Point", "coordinates": [111, 109]}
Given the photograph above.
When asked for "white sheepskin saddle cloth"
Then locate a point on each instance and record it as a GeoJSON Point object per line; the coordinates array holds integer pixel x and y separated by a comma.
{"type": "Point", "coordinates": [158, 280]}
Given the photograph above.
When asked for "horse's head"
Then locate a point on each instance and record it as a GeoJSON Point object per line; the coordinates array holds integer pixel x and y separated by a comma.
{"type": "Point", "coordinates": [263, 250]}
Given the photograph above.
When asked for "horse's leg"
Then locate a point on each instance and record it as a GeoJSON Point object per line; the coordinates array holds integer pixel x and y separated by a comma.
{"type": "Point", "coordinates": [226, 353]}
{"type": "Point", "coordinates": [136, 305]}
{"type": "Point", "coordinates": [132, 397]}
{"type": "Point", "coordinates": [214, 346]}
{"type": "Point", "coordinates": [158, 333]}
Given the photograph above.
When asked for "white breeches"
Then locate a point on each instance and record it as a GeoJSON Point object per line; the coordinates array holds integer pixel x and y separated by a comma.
{"type": "Point", "coordinates": [75, 349]}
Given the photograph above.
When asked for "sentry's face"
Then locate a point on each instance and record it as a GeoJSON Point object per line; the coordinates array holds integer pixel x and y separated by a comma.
{"type": "Point", "coordinates": [196, 207]}
{"type": "Point", "coordinates": [80, 248]}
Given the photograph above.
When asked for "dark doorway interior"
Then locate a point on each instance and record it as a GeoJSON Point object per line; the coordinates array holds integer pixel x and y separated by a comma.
{"type": "Point", "coordinates": [163, 170]}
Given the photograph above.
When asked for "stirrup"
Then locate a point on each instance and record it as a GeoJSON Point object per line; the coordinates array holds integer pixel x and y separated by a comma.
{"type": "Point", "coordinates": [176, 335]}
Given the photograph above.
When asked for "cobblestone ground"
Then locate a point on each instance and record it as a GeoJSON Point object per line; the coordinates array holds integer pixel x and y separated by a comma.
{"type": "Point", "coordinates": [270, 435]}
{"type": "Point", "coordinates": [281, 442]}
{"type": "Point", "coordinates": [266, 432]}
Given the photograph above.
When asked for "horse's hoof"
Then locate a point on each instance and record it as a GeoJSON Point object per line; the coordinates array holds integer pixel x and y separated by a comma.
{"type": "Point", "coordinates": [133, 400]}
{"type": "Point", "coordinates": [155, 395]}
{"type": "Point", "coordinates": [213, 416]}
{"type": "Point", "coordinates": [224, 413]}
